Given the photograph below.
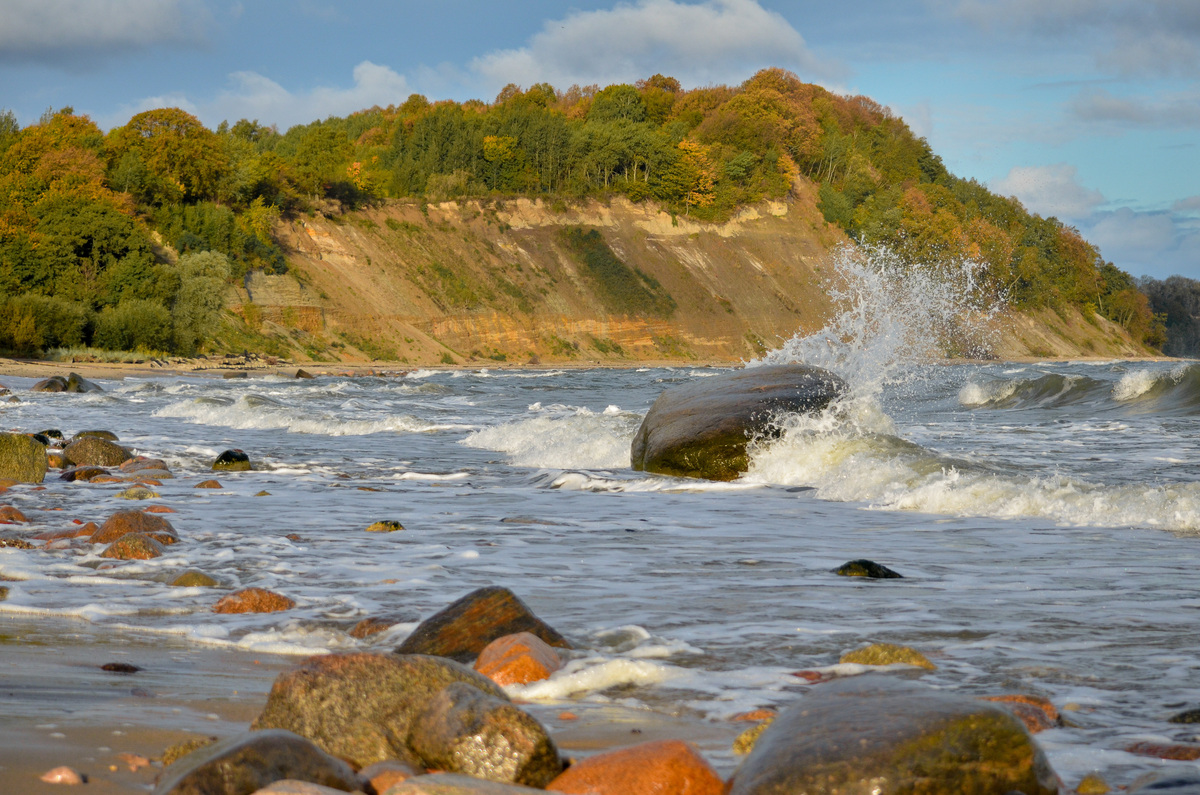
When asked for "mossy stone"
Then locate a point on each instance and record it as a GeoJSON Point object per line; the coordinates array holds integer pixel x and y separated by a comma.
{"type": "Point", "coordinates": [384, 526]}
{"type": "Point", "coordinates": [22, 458]}
{"type": "Point", "coordinates": [866, 568]}
{"type": "Point", "coordinates": [888, 654]}
{"type": "Point", "coordinates": [194, 579]}
{"type": "Point", "coordinates": [232, 461]}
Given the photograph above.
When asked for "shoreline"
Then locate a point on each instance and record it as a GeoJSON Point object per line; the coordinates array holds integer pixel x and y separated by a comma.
{"type": "Point", "coordinates": [116, 371]}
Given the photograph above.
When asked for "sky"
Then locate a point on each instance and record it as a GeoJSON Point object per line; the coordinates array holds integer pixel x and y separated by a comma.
{"type": "Point", "coordinates": [1087, 110]}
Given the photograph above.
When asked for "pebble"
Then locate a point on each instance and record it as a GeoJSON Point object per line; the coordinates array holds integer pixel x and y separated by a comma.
{"type": "Point", "coordinates": [63, 775]}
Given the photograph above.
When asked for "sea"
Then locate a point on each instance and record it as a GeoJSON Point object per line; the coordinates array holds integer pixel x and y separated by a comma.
{"type": "Point", "coordinates": [1045, 519]}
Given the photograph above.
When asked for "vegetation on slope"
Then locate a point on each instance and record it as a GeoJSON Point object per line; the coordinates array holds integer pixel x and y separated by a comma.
{"type": "Point", "coordinates": [82, 213]}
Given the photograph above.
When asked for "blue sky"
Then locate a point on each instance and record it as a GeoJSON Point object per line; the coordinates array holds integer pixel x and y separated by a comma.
{"type": "Point", "coordinates": [1088, 110]}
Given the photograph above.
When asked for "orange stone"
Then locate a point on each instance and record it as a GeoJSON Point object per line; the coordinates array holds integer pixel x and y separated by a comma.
{"type": "Point", "coordinates": [160, 509]}
{"type": "Point", "coordinates": [133, 546]}
{"type": "Point", "coordinates": [1037, 713]}
{"type": "Point", "coordinates": [10, 515]}
{"type": "Point", "coordinates": [1177, 751]}
{"type": "Point", "coordinates": [387, 773]}
{"type": "Point", "coordinates": [105, 479]}
{"type": "Point", "coordinates": [253, 600]}
{"type": "Point", "coordinates": [518, 659]}
{"type": "Point", "coordinates": [70, 532]}
{"type": "Point", "coordinates": [208, 484]}
{"type": "Point", "coordinates": [123, 522]}
{"type": "Point", "coordinates": [665, 766]}
{"type": "Point", "coordinates": [756, 715]}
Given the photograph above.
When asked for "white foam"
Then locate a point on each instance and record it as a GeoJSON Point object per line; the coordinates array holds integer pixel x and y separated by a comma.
{"type": "Point", "coordinates": [1134, 384]}
{"type": "Point", "coordinates": [592, 675]}
{"type": "Point", "coordinates": [981, 394]}
{"type": "Point", "coordinates": [249, 413]}
{"type": "Point", "coordinates": [562, 438]}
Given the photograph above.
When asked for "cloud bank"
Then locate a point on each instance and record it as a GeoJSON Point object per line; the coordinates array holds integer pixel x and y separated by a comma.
{"type": "Point", "coordinates": [65, 32]}
{"type": "Point", "coordinates": [1049, 190]}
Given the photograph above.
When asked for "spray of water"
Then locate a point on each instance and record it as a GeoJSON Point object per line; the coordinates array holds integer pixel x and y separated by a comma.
{"type": "Point", "coordinates": [894, 316]}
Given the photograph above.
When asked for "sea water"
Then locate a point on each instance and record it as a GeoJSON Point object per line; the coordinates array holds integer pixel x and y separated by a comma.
{"type": "Point", "coordinates": [1045, 519]}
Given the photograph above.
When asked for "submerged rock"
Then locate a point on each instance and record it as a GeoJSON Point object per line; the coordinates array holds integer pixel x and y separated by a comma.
{"type": "Point", "coordinates": [134, 546]}
{"type": "Point", "coordinates": [385, 526]}
{"type": "Point", "coordinates": [124, 522]}
{"type": "Point", "coordinates": [245, 763]}
{"type": "Point", "coordinates": [464, 730]}
{"type": "Point", "coordinates": [94, 451]}
{"type": "Point", "coordinates": [194, 579]}
{"type": "Point", "coordinates": [461, 630]}
{"type": "Point", "coordinates": [84, 473]}
{"type": "Point", "coordinates": [887, 654]}
{"type": "Point", "coordinates": [232, 461]}
{"type": "Point", "coordinates": [866, 568]}
{"type": "Point", "coordinates": [874, 733]}
{"type": "Point", "coordinates": [361, 706]}
{"type": "Point", "coordinates": [700, 429]}
{"type": "Point", "coordinates": [77, 383]}
{"type": "Point", "coordinates": [253, 600]}
{"type": "Point", "coordinates": [10, 514]}
{"type": "Point", "coordinates": [22, 458]}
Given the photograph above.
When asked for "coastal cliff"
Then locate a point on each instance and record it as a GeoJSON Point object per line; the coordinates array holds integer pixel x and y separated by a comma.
{"type": "Point", "coordinates": [522, 281]}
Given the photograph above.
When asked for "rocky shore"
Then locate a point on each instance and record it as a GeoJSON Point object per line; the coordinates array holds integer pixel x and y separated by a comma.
{"type": "Point", "coordinates": [432, 715]}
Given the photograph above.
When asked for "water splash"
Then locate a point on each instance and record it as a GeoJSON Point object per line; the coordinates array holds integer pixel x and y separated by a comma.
{"type": "Point", "coordinates": [893, 316]}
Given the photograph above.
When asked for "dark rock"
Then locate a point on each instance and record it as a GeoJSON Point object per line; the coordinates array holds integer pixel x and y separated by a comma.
{"type": "Point", "coordinates": [461, 630]}
{"type": "Point", "coordinates": [248, 762]}
{"type": "Point", "coordinates": [52, 433]}
{"type": "Point", "coordinates": [866, 568]}
{"type": "Point", "coordinates": [55, 383]}
{"type": "Point", "coordinates": [361, 706]}
{"type": "Point", "coordinates": [40, 439]}
{"type": "Point", "coordinates": [83, 473]}
{"type": "Point", "coordinates": [108, 436]}
{"type": "Point", "coordinates": [22, 458]}
{"type": "Point", "coordinates": [120, 668]}
{"type": "Point", "coordinates": [863, 733]}
{"type": "Point", "coordinates": [95, 451]}
{"type": "Point", "coordinates": [1187, 716]}
{"type": "Point", "coordinates": [125, 522]}
{"type": "Point", "coordinates": [462, 728]}
{"type": "Point", "coordinates": [232, 461]}
{"type": "Point", "coordinates": [235, 374]}
{"type": "Point", "coordinates": [77, 383]}
{"type": "Point", "coordinates": [700, 429]}
{"type": "Point", "coordinates": [304, 374]}
{"type": "Point", "coordinates": [134, 546]}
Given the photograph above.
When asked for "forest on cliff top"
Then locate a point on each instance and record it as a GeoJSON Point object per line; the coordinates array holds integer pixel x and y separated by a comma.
{"type": "Point", "coordinates": [87, 217]}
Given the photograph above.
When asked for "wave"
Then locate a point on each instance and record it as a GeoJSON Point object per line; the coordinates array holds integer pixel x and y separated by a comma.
{"type": "Point", "coordinates": [1044, 391]}
{"type": "Point", "coordinates": [563, 437]}
{"type": "Point", "coordinates": [262, 413]}
{"type": "Point", "coordinates": [1176, 390]}
{"type": "Point", "coordinates": [850, 453]}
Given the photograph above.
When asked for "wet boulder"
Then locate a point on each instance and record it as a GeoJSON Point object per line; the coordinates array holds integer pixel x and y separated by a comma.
{"type": "Point", "coordinates": [700, 429]}
{"type": "Point", "coordinates": [107, 436]}
{"type": "Point", "coordinates": [232, 461]}
{"type": "Point", "coordinates": [662, 766]}
{"type": "Point", "coordinates": [125, 522]}
{"type": "Point", "coordinates": [55, 383]}
{"type": "Point", "coordinates": [461, 630]}
{"type": "Point", "coordinates": [462, 730]}
{"type": "Point", "coordinates": [867, 568]}
{"type": "Point", "coordinates": [518, 660]}
{"type": "Point", "coordinates": [94, 451]}
{"type": "Point", "coordinates": [77, 383]}
{"type": "Point", "coordinates": [361, 706]}
{"type": "Point", "coordinates": [253, 600]}
{"type": "Point", "coordinates": [82, 474]}
{"type": "Point", "coordinates": [862, 733]}
{"type": "Point", "coordinates": [194, 579]}
{"type": "Point", "coordinates": [248, 762]}
{"type": "Point", "coordinates": [887, 654]}
{"type": "Point", "coordinates": [22, 458]}
{"type": "Point", "coordinates": [134, 546]}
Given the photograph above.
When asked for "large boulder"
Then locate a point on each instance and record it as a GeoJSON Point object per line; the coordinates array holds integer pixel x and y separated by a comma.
{"type": "Point", "coordinates": [464, 730]}
{"type": "Point", "coordinates": [663, 766]}
{"type": "Point", "coordinates": [94, 451]}
{"type": "Point", "coordinates": [22, 458]}
{"type": "Point", "coordinates": [461, 630]}
{"type": "Point", "coordinates": [72, 383]}
{"type": "Point", "coordinates": [872, 733]}
{"type": "Point", "coordinates": [245, 763]}
{"type": "Point", "coordinates": [125, 522]}
{"type": "Point", "coordinates": [361, 706]}
{"type": "Point", "coordinates": [700, 429]}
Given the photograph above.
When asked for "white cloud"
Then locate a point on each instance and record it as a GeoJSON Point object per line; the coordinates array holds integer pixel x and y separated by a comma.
{"type": "Point", "coordinates": [1155, 244]}
{"type": "Point", "coordinates": [1049, 190]}
{"type": "Point", "coordinates": [1188, 205]}
{"type": "Point", "coordinates": [696, 43]}
{"type": "Point", "coordinates": [67, 31]}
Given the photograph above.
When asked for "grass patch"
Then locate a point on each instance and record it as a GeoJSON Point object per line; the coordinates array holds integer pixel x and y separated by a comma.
{"type": "Point", "coordinates": [621, 288]}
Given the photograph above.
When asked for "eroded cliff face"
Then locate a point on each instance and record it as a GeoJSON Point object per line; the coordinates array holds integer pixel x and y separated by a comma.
{"type": "Point", "coordinates": [502, 281]}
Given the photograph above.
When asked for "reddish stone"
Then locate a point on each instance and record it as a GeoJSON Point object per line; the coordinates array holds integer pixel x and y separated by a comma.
{"type": "Point", "coordinates": [1037, 713]}
{"type": "Point", "coordinates": [133, 546]}
{"type": "Point", "coordinates": [208, 484]}
{"type": "Point", "coordinates": [517, 659]}
{"type": "Point", "coordinates": [123, 522]}
{"type": "Point", "coordinates": [815, 677]}
{"type": "Point", "coordinates": [567, 716]}
{"type": "Point", "coordinates": [371, 625]}
{"type": "Point", "coordinates": [253, 600]}
{"type": "Point", "coordinates": [756, 715]}
{"type": "Point", "coordinates": [102, 479]}
{"type": "Point", "coordinates": [1178, 751]}
{"type": "Point", "coordinates": [86, 473]}
{"type": "Point", "coordinates": [149, 482]}
{"type": "Point", "coordinates": [388, 773]}
{"type": "Point", "coordinates": [10, 515]}
{"type": "Point", "coordinates": [71, 532]}
{"type": "Point", "coordinates": [141, 462]}
{"type": "Point", "coordinates": [666, 766]}
{"type": "Point", "coordinates": [159, 509]}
